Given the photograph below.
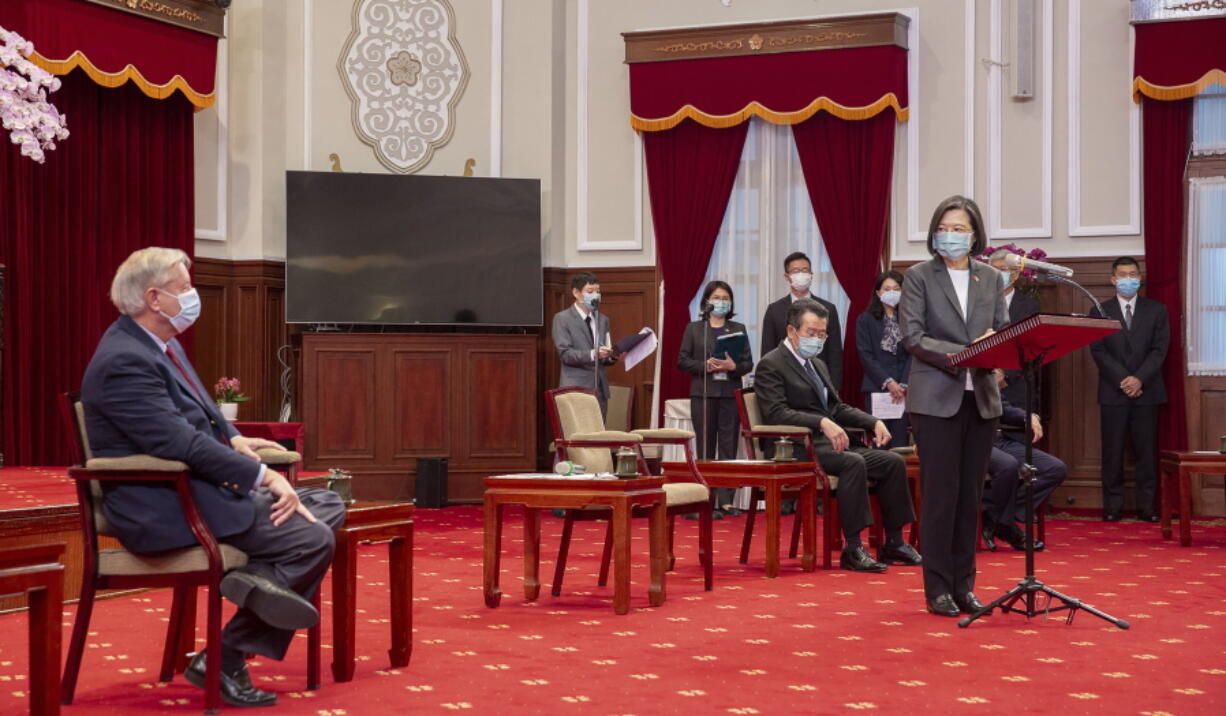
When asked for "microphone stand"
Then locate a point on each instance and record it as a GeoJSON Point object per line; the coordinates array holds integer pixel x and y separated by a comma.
{"type": "Point", "coordinates": [1070, 282]}
{"type": "Point", "coordinates": [706, 409]}
{"type": "Point", "coordinates": [596, 341]}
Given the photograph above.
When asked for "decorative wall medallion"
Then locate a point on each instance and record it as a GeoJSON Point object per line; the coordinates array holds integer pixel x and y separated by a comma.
{"type": "Point", "coordinates": [404, 73]}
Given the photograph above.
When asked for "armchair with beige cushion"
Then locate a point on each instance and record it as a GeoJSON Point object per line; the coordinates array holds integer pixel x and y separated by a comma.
{"type": "Point", "coordinates": [183, 569]}
{"type": "Point", "coordinates": [579, 435]}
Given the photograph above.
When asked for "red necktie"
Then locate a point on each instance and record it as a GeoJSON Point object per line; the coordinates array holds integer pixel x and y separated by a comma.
{"type": "Point", "coordinates": [170, 353]}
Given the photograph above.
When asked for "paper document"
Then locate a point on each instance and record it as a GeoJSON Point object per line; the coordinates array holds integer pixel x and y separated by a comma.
{"type": "Point", "coordinates": [884, 407]}
{"type": "Point", "coordinates": [643, 345]}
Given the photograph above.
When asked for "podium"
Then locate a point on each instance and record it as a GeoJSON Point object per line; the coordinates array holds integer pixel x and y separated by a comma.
{"type": "Point", "coordinates": [1027, 345]}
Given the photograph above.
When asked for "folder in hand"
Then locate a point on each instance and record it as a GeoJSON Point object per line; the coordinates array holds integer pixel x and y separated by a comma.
{"type": "Point", "coordinates": [730, 345]}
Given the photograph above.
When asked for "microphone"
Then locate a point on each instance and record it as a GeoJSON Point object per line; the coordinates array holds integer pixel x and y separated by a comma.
{"type": "Point", "coordinates": [596, 304]}
{"type": "Point", "coordinates": [1013, 261]}
{"type": "Point", "coordinates": [706, 310]}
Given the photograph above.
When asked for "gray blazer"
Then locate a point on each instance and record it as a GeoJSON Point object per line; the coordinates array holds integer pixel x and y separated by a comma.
{"type": "Point", "coordinates": [574, 343]}
{"type": "Point", "coordinates": [932, 326]}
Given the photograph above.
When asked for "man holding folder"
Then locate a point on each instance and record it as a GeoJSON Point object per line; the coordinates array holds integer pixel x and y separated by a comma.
{"type": "Point", "coordinates": [581, 335]}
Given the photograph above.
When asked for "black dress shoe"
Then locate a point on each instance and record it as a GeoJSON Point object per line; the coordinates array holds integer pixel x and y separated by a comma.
{"type": "Point", "coordinates": [236, 689]}
{"type": "Point", "coordinates": [903, 554]}
{"type": "Point", "coordinates": [857, 559]}
{"type": "Point", "coordinates": [275, 605]}
{"type": "Point", "coordinates": [968, 602]}
{"type": "Point", "coordinates": [1147, 517]}
{"type": "Point", "coordinates": [943, 605]}
{"type": "Point", "coordinates": [731, 512]}
{"type": "Point", "coordinates": [1017, 539]}
{"type": "Point", "coordinates": [989, 536]}
{"type": "Point", "coordinates": [1111, 517]}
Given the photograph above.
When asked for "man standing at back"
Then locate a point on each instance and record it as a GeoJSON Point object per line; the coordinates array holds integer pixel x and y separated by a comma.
{"type": "Point", "coordinates": [141, 396]}
{"type": "Point", "coordinates": [581, 335]}
{"type": "Point", "coordinates": [1130, 389]}
{"type": "Point", "coordinates": [798, 272]}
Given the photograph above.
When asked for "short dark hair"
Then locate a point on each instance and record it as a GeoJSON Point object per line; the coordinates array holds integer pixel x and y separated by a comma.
{"type": "Point", "coordinates": [582, 279]}
{"type": "Point", "coordinates": [801, 306]}
{"type": "Point", "coordinates": [1124, 261]}
{"type": "Point", "coordinates": [711, 288]}
{"type": "Point", "coordinates": [874, 306]}
{"type": "Point", "coordinates": [980, 239]}
{"type": "Point", "coordinates": [796, 256]}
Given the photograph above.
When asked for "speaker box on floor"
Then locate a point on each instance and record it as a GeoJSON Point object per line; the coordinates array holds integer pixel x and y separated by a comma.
{"type": "Point", "coordinates": [431, 491]}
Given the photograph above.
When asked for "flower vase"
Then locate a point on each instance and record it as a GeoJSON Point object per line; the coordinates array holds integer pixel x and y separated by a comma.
{"type": "Point", "coordinates": [229, 411]}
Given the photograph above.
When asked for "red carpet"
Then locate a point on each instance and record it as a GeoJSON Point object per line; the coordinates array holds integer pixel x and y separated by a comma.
{"type": "Point", "coordinates": [803, 643]}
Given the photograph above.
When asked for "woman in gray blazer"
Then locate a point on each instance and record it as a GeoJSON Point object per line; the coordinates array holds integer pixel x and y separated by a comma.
{"type": "Point", "coordinates": [948, 303]}
{"type": "Point", "coordinates": [717, 376]}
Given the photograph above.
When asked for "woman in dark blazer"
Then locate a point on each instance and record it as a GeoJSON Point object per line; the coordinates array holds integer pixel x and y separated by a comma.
{"type": "Point", "coordinates": [948, 303]}
{"type": "Point", "coordinates": [885, 359]}
{"type": "Point", "coordinates": [715, 421]}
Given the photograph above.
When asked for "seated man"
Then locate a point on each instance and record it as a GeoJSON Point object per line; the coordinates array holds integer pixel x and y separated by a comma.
{"type": "Point", "coordinates": [1003, 501]}
{"type": "Point", "coordinates": [142, 396]}
{"type": "Point", "coordinates": [794, 388]}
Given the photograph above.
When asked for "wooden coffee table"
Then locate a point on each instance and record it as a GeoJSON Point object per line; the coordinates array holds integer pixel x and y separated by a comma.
{"type": "Point", "coordinates": [1176, 488]}
{"type": "Point", "coordinates": [368, 522]}
{"type": "Point", "coordinates": [36, 572]}
{"type": "Point", "coordinates": [536, 492]}
{"type": "Point", "coordinates": [770, 477]}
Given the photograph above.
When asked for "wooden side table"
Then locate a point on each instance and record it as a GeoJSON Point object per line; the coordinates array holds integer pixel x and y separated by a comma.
{"type": "Point", "coordinates": [1176, 488]}
{"type": "Point", "coordinates": [536, 492]}
{"type": "Point", "coordinates": [770, 477]}
{"type": "Point", "coordinates": [367, 522]}
{"type": "Point", "coordinates": [37, 573]}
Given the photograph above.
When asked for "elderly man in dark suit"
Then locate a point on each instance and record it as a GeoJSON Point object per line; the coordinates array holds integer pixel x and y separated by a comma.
{"type": "Point", "coordinates": [142, 396]}
{"type": "Point", "coordinates": [794, 388]}
{"type": "Point", "coordinates": [798, 271]}
{"type": "Point", "coordinates": [1130, 389]}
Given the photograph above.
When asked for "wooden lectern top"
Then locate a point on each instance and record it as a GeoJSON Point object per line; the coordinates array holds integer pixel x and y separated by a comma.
{"type": "Point", "coordinates": [1050, 335]}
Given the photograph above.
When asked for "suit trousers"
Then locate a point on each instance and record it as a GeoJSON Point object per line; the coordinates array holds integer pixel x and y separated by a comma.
{"type": "Point", "coordinates": [1003, 501]}
{"type": "Point", "coordinates": [295, 554]}
{"type": "Point", "coordinates": [856, 467]}
{"type": "Point", "coordinates": [1138, 425]}
{"type": "Point", "coordinates": [721, 430]}
{"type": "Point", "coordinates": [953, 456]}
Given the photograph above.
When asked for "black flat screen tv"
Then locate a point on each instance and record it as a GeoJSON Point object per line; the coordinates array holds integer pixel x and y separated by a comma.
{"type": "Point", "coordinates": [412, 250]}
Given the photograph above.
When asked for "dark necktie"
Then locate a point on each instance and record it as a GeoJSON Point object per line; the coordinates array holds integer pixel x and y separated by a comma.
{"type": "Point", "coordinates": [1128, 315]}
{"type": "Point", "coordinates": [821, 387]}
{"type": "Point", "coordinates": [170, 353]}
{"type": "Point", "coordinates": [588, 320]}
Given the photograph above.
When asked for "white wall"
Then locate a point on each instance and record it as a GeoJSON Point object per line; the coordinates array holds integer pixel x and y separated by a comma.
{"type": "Point", "coordinates": [1058, 171]}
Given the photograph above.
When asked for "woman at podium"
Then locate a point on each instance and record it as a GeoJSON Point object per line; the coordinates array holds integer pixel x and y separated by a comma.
{"type": "Point", "coordinates": [947, 303]}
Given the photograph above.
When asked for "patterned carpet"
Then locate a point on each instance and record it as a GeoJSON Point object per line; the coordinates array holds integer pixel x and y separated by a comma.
{"type": "Point", "coordinates": [827, 642]}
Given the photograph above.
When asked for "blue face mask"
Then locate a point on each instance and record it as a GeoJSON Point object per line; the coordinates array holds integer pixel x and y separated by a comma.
{"type": "Point", "coordinates": [891, 298]}
{"type": "Point", "coordinates": [1128, 287]}
{"type": "Point", "coordinates": [719, 309]}
{"type": "Point", "coordinates": [1006, 279]}
{"type": "Point", "coordinates": [952, 245]}
{"type": "Point", "coordinates": [189, 309]}
{"type": "Point", "coordinates": [810, 346]}
{"type": "Point", "coordinates": [590, 300]}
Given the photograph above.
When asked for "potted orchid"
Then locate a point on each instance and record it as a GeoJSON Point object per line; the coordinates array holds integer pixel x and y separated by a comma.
{"type": "Point", "coordinates": [228, 392]}
{"type": "Point", "coordinates": [25, 113]}
{"type": "Point", "coordinates": [1026, 282]}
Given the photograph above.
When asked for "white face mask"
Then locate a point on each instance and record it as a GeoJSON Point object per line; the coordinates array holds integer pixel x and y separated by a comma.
{"type": "Point", "coordinates": [189, 309]}
{"type": "Point", "coordinates": [891, 298]}
{"type": "Point", "coordinates": [801, 281]}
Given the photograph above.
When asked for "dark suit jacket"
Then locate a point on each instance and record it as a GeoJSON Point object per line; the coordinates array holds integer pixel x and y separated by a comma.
{"type": "Point", "coordinates": [775, 329]}
{"type": "Point", "coordinates": [1020, 307]}
{"type": "Point", "coordinates": [573, 341]}
{"type": "Point", "coordinates": [137, 403]}
{"type": "Point", "coordinates": [788, 396]}
{"type": "Point", "coordinates": [693, 360]}
{"type": "Point", "coordinates": [1138, 351]}
{"type": "Point", "coordinates": [879, 366]}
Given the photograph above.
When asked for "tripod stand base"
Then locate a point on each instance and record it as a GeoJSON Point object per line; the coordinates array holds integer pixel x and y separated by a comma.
{"type": "Point", "coordinates": [1026, 591]}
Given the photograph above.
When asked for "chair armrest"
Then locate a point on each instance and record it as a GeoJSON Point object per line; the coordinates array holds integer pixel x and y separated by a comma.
{"type": "Point", "coordinates": [665, 435]}
{"type": "Point", "coordinates": [611, 437]}
{"type": "Point", "coordinates": [275, 456]}
{"type": "Point", "coordinates": [145, 463]}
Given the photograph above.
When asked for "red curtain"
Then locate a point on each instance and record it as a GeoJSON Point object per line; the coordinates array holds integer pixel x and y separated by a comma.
{"type": "Point", "coordinates": [1178, 59]}
{"type": "Point", "coordinates": [1166, 128]}
{"type": "Point", "coordinates": [848, 166]}
{"type": "Point", "coordinates": [690, 171]}
{"type": "Point", "coordinates": [123, 180]}
{"type": "Point", "coordinates": [784, 88]}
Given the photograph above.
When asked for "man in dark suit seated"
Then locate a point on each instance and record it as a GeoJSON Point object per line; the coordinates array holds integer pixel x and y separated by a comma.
{"type": "Point", "coordinates": [1003, 500]}
{"type": "Point", "coordinates": [1130, 389]}
{"type": "Point", "coordinates": [794, 388]}
{"type": "Point", "coordinates": [142, 397]}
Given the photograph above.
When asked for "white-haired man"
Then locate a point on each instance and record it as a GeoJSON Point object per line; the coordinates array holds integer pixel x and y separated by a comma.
{"type": "Point", "coordinates": [142, 396]}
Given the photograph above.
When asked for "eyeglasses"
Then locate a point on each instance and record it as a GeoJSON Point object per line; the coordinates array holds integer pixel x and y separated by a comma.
{"type": "Point", "coordinates": [957, 229]}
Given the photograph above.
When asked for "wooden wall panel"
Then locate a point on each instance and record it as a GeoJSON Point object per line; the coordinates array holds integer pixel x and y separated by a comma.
{"type": "Point", "coordinates": [421, 395]}
{"type": "Point", "coordinates": [343, 405]}
{"type": "Point", "coordinates": [497, 386]}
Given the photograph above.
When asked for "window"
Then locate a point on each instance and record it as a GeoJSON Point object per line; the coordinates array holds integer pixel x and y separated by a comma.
{"type": "Point", "coordinates": [1206, 259]}
{"type": "Point", "coordinates": [769, 216]}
